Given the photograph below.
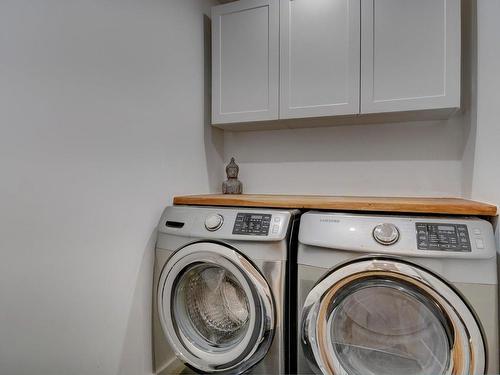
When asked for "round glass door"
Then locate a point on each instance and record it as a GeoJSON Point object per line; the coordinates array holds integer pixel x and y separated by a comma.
{"type": "Point", "coordinates": [215, 308]}
{"type": "Point", "coordinates": [211, 307]}
{"type": "Point", "coordinates": [388, 317]}
{"type": "Point", "coordinates": [385, 327]}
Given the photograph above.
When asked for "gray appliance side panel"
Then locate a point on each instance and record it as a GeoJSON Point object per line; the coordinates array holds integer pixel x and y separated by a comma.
{"type": "Point", "coordinates": [163, 356]}
{"type": "Point", "coordinates": [484, 299]}
{"type": "Point", "coordinates": [274, 361]}
{"type": "Point", "coordinates": [307, 278]}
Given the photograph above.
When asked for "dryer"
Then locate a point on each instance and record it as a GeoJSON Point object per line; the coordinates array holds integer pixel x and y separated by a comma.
{"type": "Point", "coordinates": [409, 295]}
{"type": "Point", "coordinates": [220, 288]}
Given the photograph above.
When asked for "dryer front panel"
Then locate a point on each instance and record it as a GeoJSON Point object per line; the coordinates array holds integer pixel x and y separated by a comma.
{"type": "Point", "coordinates": [215, 308]}
{"type": "Point", "coordinates": [384, 316]}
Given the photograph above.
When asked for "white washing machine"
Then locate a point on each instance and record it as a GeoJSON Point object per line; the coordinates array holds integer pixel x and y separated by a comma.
{"type": "Point", "coordinates": [397, 295]}
{"type": "Point", "coordinates": [220, 287]}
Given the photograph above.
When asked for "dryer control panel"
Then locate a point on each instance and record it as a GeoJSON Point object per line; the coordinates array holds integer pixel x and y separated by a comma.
{"type": "Point", "coordinates": [443, 237]}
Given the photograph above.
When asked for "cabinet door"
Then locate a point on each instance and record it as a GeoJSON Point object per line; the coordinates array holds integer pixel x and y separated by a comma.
{"type": "Point", "coordinates": [320, 57]}
{"type": "Point", "coordinates": [245, 48]}
{"type": "Point", "coordinates": [410, 55]}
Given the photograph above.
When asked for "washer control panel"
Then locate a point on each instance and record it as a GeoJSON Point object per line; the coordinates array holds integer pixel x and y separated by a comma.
{"type": "Point", "coordinates": [443, 237]}
{"type": "Point", "coordinates": [252, 224]}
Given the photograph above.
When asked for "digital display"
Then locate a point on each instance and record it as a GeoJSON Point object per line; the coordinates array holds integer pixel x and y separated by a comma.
{"type": "Point", "coordinates": [252, 224]}
{"type": "Point", "coordinates": [442, 237]}
{"type": "Point", "coordinates": [446, 228]}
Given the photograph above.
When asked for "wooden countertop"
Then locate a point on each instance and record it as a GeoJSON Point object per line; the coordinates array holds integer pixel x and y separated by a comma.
{"type": "Point", "coordinates": [445, 206]}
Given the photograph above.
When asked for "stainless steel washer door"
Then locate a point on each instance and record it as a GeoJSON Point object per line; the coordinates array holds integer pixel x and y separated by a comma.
{"type": "Point", "coordinates": [384, 316]}
{"type": "Point", "coordinates": [215, 308]}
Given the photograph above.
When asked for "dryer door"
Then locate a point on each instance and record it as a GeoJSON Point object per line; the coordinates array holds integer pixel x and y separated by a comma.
{"type": "Point", "coordinates": [215, 308]}
{"type": "Point", "coordinates": [385, 316]}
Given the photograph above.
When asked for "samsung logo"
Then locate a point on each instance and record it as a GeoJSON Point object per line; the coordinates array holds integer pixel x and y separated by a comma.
{"type": "Point", "coordinates": [328, 220]}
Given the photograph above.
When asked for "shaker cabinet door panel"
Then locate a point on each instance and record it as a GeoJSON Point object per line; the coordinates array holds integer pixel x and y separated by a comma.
{"type": "Point", "coordinates": [245, 70]}
{"type": "Point", "coordinates": [410, 55]}
{"type": "Point", "coordinates": [320, 57]}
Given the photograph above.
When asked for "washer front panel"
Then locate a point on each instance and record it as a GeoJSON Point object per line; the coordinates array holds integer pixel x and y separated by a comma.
{"type": "Point", "coordinates": [189, 344]}
{"type": "Point", "coordinates": [334, 314]}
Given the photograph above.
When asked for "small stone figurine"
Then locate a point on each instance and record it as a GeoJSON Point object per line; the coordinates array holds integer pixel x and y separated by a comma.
{"type": "Point", "coordinates": [232, 185]}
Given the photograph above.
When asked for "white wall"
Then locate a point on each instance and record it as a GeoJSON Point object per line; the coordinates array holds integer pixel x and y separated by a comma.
{"type": "Point", "coordinates": [412, 159]}
{"type": "Point", "coordinates": [103, 113]}
{"type": "Point", "coordinates": [486, 180]}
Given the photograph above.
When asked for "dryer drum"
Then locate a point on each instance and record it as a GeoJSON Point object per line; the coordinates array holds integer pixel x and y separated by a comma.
{"type": "Point", "coordinates": [387, 316]}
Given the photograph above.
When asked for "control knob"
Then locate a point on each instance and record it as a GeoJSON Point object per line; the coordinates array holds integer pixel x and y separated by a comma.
{"type": "Point", "coordinates": [386, 234]}
{"type": "Point", "coordinates": [214, 222]}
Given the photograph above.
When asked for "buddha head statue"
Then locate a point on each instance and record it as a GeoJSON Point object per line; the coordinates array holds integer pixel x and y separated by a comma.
{"type": "Point", "coordinates": [232, 169]}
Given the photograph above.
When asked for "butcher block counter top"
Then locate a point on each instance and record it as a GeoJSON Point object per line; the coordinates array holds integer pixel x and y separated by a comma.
{"type": "Point", "coordinates": [442, 206]}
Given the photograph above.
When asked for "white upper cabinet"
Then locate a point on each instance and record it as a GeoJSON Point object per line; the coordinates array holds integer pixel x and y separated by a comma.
{"type": "Point", "coordinates": [245, 69]}
{"type": "Point", "coordinates": [292, 59]}
{"type": "Point", "coordinates": [319, 58]}
{"type": "Point", "coordinates": [410, 55]}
